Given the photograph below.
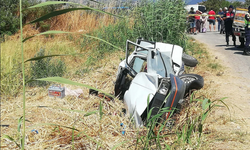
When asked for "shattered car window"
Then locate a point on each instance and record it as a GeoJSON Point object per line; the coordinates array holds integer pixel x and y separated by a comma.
{"type": "Point", "coordinates": [139, 64]}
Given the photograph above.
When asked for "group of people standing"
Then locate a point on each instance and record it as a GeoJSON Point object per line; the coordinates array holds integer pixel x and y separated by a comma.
{"type": "Point", "coordinates": [225, 20]}
{"type": "Point", "coordinates": [197, 21]}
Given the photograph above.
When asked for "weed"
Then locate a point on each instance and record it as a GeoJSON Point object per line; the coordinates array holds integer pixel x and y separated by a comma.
{"type": "Point", "coordinates": [19, 137]}
{"type": "Point", "coordinates": [45, 68]}
{"type": "Point", "coordinates": [214, 66]}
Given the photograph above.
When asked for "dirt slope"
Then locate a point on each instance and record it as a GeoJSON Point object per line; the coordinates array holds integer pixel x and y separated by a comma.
{"type": "Point", "coordinates": [233, 83]}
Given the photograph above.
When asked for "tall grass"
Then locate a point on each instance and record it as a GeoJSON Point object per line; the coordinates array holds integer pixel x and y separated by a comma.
{"type": "Point", "coordinates": [161, 20]}
{"type": "Point", "coordinates": [23, 76]}
{"type": "Point", "coordinates": [10, 74]}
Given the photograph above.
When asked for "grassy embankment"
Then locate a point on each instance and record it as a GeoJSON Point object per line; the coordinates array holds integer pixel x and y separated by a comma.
{"type": "Point", "coordinates": [96, 67]}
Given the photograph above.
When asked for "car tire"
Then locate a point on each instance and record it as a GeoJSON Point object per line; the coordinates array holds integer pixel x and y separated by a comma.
{"type": "Point", "coordinates": [192, 81]}
{"type": "Point", "coordinates": [119, 83]}
{"type": "Point", "coordinates": [189, 60]}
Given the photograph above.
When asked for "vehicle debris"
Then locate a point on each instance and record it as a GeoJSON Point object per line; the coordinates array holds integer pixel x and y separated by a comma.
{"type": "Point", "coordinates": [152, 77]}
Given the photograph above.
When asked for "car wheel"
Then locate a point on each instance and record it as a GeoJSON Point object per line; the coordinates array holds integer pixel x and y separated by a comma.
{"type": "Point", "coordinates": [119, 83]}
{"type": "Point", "coordinates": [192, 81]}
{"type": "Point", "coordinates": [189, 60]}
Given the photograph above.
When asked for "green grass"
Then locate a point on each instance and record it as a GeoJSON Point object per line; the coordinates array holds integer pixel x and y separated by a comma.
{"type": "Point", "coordinates": [214, 66]}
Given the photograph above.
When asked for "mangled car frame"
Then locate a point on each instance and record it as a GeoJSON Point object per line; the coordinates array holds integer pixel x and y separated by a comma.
{"type": "Point", "coordinates": [151, 77]}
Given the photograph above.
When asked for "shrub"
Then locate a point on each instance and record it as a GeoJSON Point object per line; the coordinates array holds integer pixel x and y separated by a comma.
{"type": "Point", "coordinates": [9, 15]}
{"type": "Point", "coordinates": [9, 21]}
{"type": "Point", "coordinates": [45, 68]}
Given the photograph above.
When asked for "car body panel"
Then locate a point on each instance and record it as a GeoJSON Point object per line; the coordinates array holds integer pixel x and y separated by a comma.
{"type": "Point", "coordinates": [142, 88]}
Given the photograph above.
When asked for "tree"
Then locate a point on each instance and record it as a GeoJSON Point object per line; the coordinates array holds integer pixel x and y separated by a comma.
{"type": "Point", "coordinates": [217, 4]}
{"type": "Point", "coordinates": [247, 3]}
{"type": "Point", "coordinates": [9, 21]}
{"type": "Point", "coordinates": [9, 14]}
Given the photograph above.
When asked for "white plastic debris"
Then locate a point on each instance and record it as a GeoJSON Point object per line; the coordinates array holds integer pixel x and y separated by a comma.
{"type": "Point", "coordinates": [76, 92]}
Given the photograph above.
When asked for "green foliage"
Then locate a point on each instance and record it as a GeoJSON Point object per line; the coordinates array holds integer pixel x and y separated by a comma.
{"type": "Point", "coordinates": [44, 26]}
{"type": "Point", "coordinates": [247, 3]}
{"type": "Point", "coordinates": [9, 15]}
{"type": "Point", "coordinates": [109, 39]}
{"type": "Point", "coordinates": [45, 68]}
{"type": "Point", "coordinates": [116, 34]}
{"type": "Point", "coordinates": [162, 20]}
{"type": "Point", "coordinates": [9, 21]}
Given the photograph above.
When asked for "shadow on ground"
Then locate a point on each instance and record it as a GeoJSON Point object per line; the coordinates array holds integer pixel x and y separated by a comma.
{"type": "Point", "coordinates": [231, 48]}
{"type": "Point", "coordinates": [234, 49]}
{"type": "Point", "coordinates": [221, 45]}
{"type": "Point", "coordinates": [241, 53]}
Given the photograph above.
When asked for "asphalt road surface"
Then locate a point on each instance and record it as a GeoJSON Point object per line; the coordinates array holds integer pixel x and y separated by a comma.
{"type": "Point", "coordinates": [231, 56]}
{"type": "Point", "coordinates": [234, 84]}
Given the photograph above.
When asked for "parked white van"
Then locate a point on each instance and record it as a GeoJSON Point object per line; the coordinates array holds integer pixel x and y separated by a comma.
{"type": "Point", "coordinates": [201, 8]}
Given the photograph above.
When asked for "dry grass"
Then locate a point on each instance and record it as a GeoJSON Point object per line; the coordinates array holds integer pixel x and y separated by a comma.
{"type": "Point", "coordinates": [93, 132]}
{"type": "Point", "coordinates": [107, 132]}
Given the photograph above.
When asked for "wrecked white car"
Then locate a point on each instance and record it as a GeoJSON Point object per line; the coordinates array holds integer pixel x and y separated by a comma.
{"type": "Point", "coordinates": [152, 73]}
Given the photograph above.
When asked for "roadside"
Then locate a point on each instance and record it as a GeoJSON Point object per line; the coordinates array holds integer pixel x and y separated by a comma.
{"type": "Point", "coordinates": [233, 83]}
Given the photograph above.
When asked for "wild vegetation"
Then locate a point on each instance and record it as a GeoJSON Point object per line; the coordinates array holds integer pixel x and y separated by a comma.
{"type": "Point", "coordinates": [93, 54]}
{"type": "Point", "coordinates": [217, 4]}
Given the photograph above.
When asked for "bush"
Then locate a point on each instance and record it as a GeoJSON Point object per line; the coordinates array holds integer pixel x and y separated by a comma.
{"type": "Point", "coordinates": [45, 68]}
{"type": "Point", "coordinates": [9, 15]}
{"type": "Point", "coordinates": [9, 21]}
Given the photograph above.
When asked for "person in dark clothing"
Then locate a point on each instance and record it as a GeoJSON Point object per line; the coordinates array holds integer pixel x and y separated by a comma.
{"type": "Point", "coordinates": [247, 33]}
{"type": "Point", "coordinates": [242, 41]}
{"type": "Point", "coordinates": [220, 13]}
{"type": "Point", "coordinates": [222, 31]}
{"type": "Point", "coordinates": [228, 18]}
{"type": "Point", "coordinates": [191, 20]}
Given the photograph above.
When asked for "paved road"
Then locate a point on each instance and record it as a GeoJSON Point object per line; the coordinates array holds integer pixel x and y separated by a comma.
{"type": "Point", "coordinates": [234, 84]}
{"type": "Point", "coordinates": [230, 55]}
